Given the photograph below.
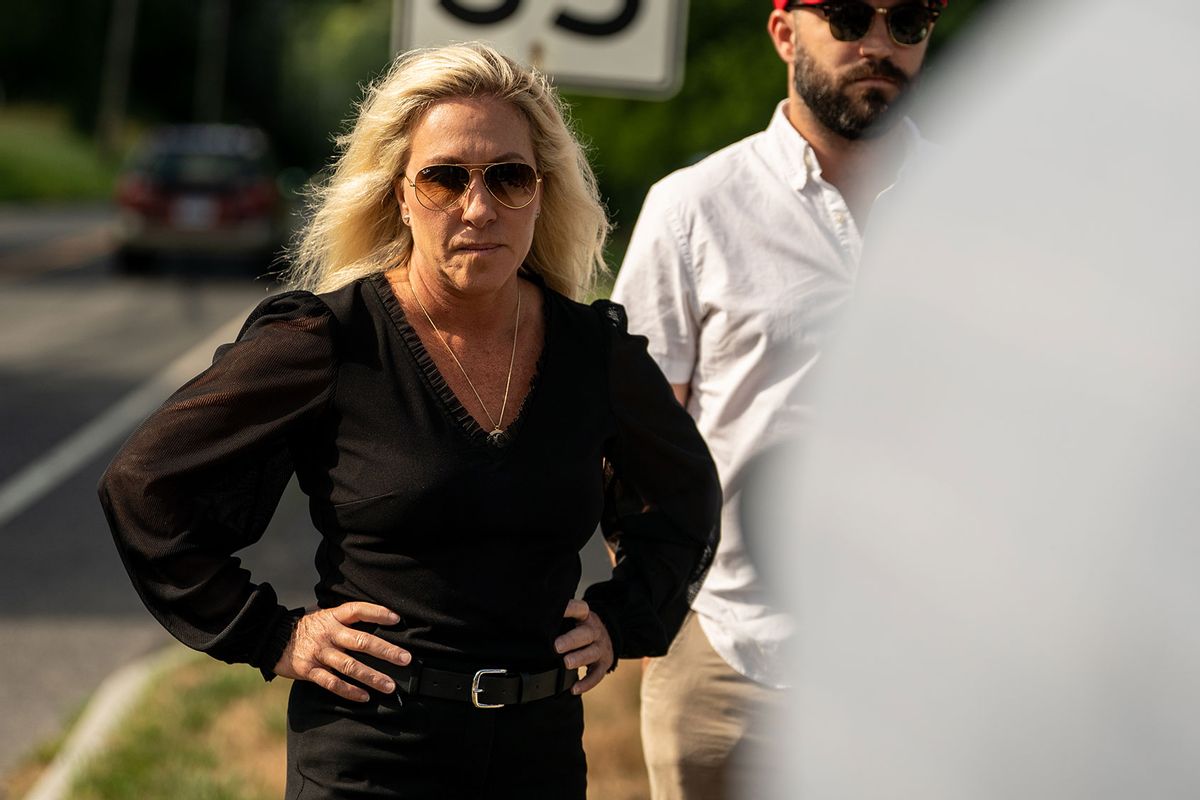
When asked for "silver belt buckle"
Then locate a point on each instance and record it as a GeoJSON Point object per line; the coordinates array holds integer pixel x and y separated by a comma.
{"type": "Point", "coordinates": [477, 690]}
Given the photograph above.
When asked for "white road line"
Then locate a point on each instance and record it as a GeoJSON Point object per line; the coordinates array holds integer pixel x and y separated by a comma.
{"type": "Point", "coordinates": [38, 478]}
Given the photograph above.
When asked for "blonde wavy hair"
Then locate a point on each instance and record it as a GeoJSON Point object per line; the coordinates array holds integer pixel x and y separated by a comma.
{"type": "Point", "coordinates": [354, 227]}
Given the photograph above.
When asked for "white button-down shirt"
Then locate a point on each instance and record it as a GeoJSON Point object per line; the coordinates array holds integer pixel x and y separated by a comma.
{"type": "Point", "coordinates": [735, 270]}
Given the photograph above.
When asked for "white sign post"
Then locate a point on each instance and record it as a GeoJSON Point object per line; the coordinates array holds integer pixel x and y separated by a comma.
{"type": "Point", "coordinates": [620, 47]}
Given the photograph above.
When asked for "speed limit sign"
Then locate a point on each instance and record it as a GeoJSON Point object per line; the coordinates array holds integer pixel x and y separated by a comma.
{"type": "Point", "coordinates": [624, 47]}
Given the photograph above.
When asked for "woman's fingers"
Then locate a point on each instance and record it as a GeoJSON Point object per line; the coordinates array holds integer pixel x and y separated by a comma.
{"type": "Point", "coordinates": [598, 659]}
{"type": "Point", "coordinates": [577, 609]}
{"type": "Point", "coordinates": [583, 658]}
{"type": "Point", "coordinates": [317, 650]}
{"type": "Point", "coordinates": [348, 666]}
{"type": "Point", "coordinates": [349, 613]}
{"type": "Point", "coordinates": [330, 681]}
{"type": "Point", "coordinates": [351, 639]}
{"type": "Point", "coordinates": [589, 681]}
{"type": "Point", "coordinates": [582, 634]}
{"type": "Point", "coordinates": [363, 642]}
{"type": "Point", "coordinates": [586, 645]}
{"type": "Point", "coordinates": [577, 637]}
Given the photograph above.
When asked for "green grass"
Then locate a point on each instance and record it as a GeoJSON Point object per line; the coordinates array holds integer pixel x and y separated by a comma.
{"type": "Point", "coordinates": [21, 778]}
{"type": "Point", "coordinates": [208, 731]}
{"type": "Point", "coordinates": [43, 159]}
{"type": "Point", "coordinates": [205, 731]}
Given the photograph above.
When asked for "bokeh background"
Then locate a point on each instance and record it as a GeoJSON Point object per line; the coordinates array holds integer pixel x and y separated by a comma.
{"type": "Point", "coordinates": [294, 68]}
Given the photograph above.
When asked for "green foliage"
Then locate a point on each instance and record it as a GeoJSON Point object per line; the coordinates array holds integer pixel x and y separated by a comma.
{"type": "Point", "coordinates": [41, 158]}
{"type": "Point", "coordinates": [50, 54]}
{"type": "Point", "coordinates": [297, 68]}
{"type": "Point", "coordinates": [332, 51]}
{"type": "Point", "coordinates": [163, 749]}
{"type": "Point", "coordinates": [954, 17]}
{"type": "Point", "coordinates": [275, 720]}
{"type": "Point", "coordinates": [732, 81]}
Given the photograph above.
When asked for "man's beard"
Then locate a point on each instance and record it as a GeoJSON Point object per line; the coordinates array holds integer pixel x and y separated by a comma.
{"type": "Point", "coordinates": [866, 117]}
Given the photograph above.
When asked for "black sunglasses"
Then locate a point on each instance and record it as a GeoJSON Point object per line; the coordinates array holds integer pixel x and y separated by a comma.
{"type": "Point", "coordinates": [440, 187]}
{"type": "Point", "coordinates": [850, 20]}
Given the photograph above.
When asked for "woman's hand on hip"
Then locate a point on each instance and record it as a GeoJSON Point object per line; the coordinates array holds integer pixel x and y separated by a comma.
{"type": "Point", "coordinates": [587, 645]}
{"type": "Point", "coordinates": [318, 650]}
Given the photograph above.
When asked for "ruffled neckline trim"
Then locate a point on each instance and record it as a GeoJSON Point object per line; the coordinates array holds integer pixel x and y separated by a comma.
{"type": "Point", "coordinates": [437, 384]}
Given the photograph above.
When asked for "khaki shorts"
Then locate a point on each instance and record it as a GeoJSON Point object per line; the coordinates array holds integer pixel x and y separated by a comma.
{"type": "Point", "coordinates": [704, 726]}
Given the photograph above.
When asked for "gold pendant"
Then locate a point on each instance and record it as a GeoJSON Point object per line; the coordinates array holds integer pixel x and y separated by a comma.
{"type": "Point", "coordinates": [498, 437]}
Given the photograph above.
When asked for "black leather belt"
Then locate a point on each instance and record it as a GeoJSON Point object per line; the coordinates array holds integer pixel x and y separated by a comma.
{"type": "Point", "coordinates": [484, 688]}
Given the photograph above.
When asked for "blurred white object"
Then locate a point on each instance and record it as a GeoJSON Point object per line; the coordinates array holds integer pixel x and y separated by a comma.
{"type": "Point", "coordinates": [996, 551]}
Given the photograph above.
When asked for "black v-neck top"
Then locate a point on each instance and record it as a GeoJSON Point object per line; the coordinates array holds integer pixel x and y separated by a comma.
{"type": "Point", "coordinates": [475, 545]}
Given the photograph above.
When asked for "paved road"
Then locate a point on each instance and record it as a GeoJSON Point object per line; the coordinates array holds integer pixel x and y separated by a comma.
{"type": "Point", "coordinates": [76, 339]}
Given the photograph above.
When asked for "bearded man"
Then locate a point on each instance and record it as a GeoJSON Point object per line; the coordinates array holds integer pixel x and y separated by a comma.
{"type": "Point", "coordinates": [735, 268]}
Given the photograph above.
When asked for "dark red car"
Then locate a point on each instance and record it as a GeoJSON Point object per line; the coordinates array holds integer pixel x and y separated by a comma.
{"type": "Point", "coordinates": [199, 190]}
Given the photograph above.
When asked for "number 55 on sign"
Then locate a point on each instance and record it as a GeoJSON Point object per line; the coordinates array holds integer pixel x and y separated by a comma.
{"type": "Point", "coordinates": [616, 47]}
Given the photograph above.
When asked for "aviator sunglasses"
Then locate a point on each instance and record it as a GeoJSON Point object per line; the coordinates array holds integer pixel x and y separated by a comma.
{"type": "Point", "coordinates": [850, 20]}
{"type": "Point", "coordinates": [440, 187]}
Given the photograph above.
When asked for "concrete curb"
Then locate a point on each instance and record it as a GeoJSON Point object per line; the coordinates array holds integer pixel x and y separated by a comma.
{"type": "Point", "coordinates": [105, 712]}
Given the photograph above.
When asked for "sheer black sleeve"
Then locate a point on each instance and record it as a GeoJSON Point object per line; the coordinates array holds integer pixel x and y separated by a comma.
{"type": "Point", "coordinates": [201, 477]}
{"type": "Point", "coordinates": [663, 501]}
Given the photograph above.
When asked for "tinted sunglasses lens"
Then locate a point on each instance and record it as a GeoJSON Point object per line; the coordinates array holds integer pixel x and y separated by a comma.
{"type": "Point", "coordinates": [513, 184]}
{"type": "Point", "coordinates": [849, 22]}
{"type": "Point", "coordinates": [442, 185]}
{"type": "Point", "coordinates": [909, 24]}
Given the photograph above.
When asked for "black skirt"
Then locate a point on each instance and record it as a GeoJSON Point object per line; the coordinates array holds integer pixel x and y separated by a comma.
{"type": "Point", "coordinates": [407, 746]}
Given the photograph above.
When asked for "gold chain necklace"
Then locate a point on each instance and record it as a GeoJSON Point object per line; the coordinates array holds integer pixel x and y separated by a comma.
{"type": "Point", "coordinates": [498, 435]}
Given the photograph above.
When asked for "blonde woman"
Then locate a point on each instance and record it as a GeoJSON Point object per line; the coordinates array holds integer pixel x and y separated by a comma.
{"type": "Point", "coordinates": [460, 424]}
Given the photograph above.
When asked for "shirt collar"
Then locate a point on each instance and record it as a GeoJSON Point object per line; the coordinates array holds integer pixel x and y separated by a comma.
{"type": "Point", "coordinates": [799, 160]}
{"type": "Point", "coordinates": [796, 156]}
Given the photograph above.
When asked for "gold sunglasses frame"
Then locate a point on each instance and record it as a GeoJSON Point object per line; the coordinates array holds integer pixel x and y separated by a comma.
{"type": "Point", "coordinates": [471, 170]}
